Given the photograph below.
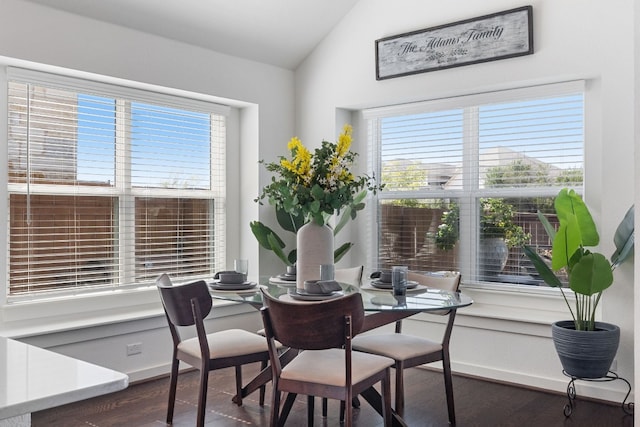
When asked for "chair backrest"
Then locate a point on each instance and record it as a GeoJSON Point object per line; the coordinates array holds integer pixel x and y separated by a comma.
{"type": "Point", "coordinates": [164, 280]}
{"type": "Point", "coordinates": [351, 275]}
{"type": "Point", "coordinates": [176, 300]}
{"type": "Point", "coordinates": [312, 326]}
{"type": "Point", "coordinates": [450, 282]}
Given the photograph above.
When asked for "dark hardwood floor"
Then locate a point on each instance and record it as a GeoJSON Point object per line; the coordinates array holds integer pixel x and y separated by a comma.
{"type": "Point", "coordinates": [478, 403]}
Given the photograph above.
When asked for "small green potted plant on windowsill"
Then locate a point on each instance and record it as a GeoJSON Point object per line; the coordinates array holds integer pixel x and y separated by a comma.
{"type": "Point", "coordinates": [498, 233]}
{"type": "Point", "coordinates": [585, 346]}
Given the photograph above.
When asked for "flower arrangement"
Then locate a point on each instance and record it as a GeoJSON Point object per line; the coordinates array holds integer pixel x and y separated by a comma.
{"type": "Point", "coordinates": [320, 184]}
{"type": "Point", "coordinates": [313, 187]}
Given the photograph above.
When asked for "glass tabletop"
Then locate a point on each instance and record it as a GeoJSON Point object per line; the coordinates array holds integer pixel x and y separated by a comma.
{"type": "Point", "coordinates": [419, 299]}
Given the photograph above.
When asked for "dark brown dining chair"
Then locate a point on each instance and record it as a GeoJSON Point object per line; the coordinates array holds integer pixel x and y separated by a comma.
{"type": "Point", "coordinates": [409, 351]}
{"type": "Point", "coordinates": [326, 366]}
{"type": "Point", "coordinates": [188, 305]}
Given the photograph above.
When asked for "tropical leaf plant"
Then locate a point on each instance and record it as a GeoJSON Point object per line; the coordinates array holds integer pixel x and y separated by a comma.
{"type": "Point", "coordinates": [589, 273]}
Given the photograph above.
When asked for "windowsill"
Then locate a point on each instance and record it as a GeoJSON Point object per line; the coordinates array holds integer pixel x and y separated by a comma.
{"type": "Point", "coordinates": [539, 305]}
{"type": "Point", "coordinates": [55, 315]}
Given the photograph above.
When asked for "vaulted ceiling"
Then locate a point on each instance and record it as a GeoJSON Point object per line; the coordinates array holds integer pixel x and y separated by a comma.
{"type": "Point", "coordinates": [277, 32]}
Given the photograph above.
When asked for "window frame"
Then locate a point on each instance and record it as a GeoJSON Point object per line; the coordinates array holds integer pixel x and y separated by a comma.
{"type": "Point", "coordinates": [131, 93]}
{"type": "Point", "coordinates": [467, 259]}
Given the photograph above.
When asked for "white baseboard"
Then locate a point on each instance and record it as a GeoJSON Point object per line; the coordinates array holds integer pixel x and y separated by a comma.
{"type": "Point", "coordinates": [611, 391]}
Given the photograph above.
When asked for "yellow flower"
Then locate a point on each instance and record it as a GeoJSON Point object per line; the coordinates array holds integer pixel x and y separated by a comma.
{"type": "Point", "coordinates": [301, 163]}
{"type": "Point", "coordinates": [317, 185]}
{"type": "Point", "coordinates": [344, 141]}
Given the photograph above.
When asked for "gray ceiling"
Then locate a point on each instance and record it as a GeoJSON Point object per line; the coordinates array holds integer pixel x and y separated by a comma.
{"type": "Point", "coordinates": [277, 32]}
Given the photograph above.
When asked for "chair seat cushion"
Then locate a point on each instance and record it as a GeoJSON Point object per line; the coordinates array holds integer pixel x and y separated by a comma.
{"type": "Point", "coordinates": [229, 343]}
{"type": "Point", "coordinates": [396, 346]}
{"type": "Point", "coordinates": [327, 367]}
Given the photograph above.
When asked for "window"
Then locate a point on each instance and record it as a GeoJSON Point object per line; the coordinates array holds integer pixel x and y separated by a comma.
{"type": "Point", "coordinates": [465, 178]}
{"type": "Point", "coordinates": [110, 186]}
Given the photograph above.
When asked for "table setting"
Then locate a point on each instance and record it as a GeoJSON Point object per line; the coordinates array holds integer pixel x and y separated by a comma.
{"type": "Point", "coordinates": [287, 278]}
{"type": "Point", "coordinates": [234, 281]}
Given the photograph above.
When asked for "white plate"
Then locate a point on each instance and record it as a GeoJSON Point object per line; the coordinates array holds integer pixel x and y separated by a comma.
{"type": "Point", "coordinates": [278, 281]}
{"type": "Point", "coordinates": [388, 286]}
{"type": "Point", "coordinates": [370, 287]}
{"type": "Point", "coordinates": [232, 286]}
{"type": "Point", "coordinates": [314, 297]}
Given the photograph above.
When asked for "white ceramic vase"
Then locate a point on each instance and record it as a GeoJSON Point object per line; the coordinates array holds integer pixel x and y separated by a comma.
{"type": "Point", "coordinates": [314, 248]}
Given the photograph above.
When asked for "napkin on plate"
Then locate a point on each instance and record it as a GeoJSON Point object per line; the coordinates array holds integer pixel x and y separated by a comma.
{"type": "Point", "coordinates": [321, 287]}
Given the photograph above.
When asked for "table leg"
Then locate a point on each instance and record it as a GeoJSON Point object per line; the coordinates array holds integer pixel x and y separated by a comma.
{"type": "Point", "coordinates": [374, 399]}
{"type": "Point", "coordinates": [264, 376]}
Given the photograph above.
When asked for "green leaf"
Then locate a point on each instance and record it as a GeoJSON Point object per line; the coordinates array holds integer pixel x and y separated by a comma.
{"type": "Point", "coordinates": [624, 238]}
{"type": "Point", "coordinates": [543, 269]}
{"type": "Point", "coordinates": [293, 256]}
{"type": "Point", "coordinates": [551, 232]}
{"type": "Point", "coordinates": [592, 274]}
{"type": "Point", "coordinates": [289, 221]}
{"type": "Point", "coordinates": [341, 251]}
{"type": "Point", "coordinates": [262, 233]}
{"type": "Point", "coordinates": [569, 205]}
{"type": "Point", "coordinates": [275, 247]}
{"type": "Point", "coordinates": [344, 219]}
{"type": "Point", "coordinates": [360, 197]}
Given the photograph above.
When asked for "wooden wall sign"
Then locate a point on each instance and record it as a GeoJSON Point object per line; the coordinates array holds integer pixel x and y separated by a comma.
{"type": "Point", "coordinates": [486, 38]}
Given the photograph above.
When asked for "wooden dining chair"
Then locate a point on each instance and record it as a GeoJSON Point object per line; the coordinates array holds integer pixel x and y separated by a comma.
{"type": "Point", "coordinates": [409, 351]}
{"type": "Point", "coordinates": [326, 366]}
{"type": "Point", "coordinates": [188, 305]}
{"type": "Point", "coordinates": [350, 275]}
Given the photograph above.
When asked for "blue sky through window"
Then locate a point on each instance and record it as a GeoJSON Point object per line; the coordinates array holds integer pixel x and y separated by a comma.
{"type": "Point", "coordinates": [170, 148]}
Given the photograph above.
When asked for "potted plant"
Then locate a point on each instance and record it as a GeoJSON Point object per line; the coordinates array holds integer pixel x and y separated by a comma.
{"type": "Point", "coordinates": [586, 347]}
{"type": "Point", "coordinates": [498, 233]}
{"type": "Point", "coordinates": [307, 189]}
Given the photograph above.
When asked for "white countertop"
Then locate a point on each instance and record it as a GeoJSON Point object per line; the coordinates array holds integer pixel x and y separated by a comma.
{"type": "Point", "coordinates": [33, 379]}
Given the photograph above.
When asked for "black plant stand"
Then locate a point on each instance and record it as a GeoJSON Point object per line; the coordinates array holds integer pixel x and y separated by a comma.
{"type": "Point", "coordinates": [611, 376]}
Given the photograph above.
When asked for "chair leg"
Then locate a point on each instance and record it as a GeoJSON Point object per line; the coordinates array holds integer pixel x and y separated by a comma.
{"type": "Point", "coordinates": [348, 410]}
{"type": "Point", "coordinates": [342, 403]}
{"type": "Point", "coordinates": [286, 408]}
{"type": "Point", "coordinates": [263, 366]}
{"type": "Point", "coordinates": [325, 402]}
{"type": "Point", "coordinates": [310, 409]}
{"type": "Point", "coordinates": [202, 399]}
{"type": "Point", "coordinates": [275, 406]}
{"type": "Point", "coordinates": [448, 386]}
{"type": "Point", "coordinates": [173, 384]}
{"type": "Point", "coordinates": [239, 385]}
{"type": "Point", "coordinates": [399, 388]}
{"type": "Point", "coordinates": [386, 398]}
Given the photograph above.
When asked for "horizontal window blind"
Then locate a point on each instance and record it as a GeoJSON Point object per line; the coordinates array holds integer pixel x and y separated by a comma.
{"type": "Point", "coordinates": [110, 191]}
{"type": "Point", "coordinates": [465, 177]}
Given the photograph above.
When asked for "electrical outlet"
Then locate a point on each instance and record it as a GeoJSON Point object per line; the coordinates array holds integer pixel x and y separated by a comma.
{"type": "Point", "coordinates": [134, 348]}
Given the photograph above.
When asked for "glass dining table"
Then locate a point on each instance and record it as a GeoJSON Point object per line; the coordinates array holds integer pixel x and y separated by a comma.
{"type": "Point", "coordinates": [381, 305]}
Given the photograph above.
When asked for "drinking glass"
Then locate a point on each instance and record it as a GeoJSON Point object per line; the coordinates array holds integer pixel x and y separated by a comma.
{"type": "Point", "coordinates": [327, 271]}
{"type": "Point", "coordinates": [241, 266]}
{"type": "Point", "coordinates": [399, 279]}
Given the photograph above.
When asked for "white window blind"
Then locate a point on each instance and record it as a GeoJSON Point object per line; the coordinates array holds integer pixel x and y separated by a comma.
{"type": "Point", "coordinates": [459, 171]}
{"type": "Point", "coordinates": [110, 189]}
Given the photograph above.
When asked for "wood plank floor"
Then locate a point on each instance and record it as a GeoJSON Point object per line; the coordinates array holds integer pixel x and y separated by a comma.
{"type": "Point", "coordinates": [478, 403]}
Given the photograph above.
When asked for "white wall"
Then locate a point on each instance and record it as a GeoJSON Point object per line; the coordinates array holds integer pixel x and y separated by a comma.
{"type": "Point", "coordinates": [573, 39]}
{"type": "Point", "coordinates": [34, 35]}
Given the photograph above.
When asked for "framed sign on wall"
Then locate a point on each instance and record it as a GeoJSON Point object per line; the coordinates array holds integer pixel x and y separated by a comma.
{"type": "Point", "coordinates": [485, 38]}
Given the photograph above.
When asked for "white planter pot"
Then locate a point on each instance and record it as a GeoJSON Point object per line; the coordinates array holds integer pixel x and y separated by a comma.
{"type": "Point", "coordinates": [314, 248]}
